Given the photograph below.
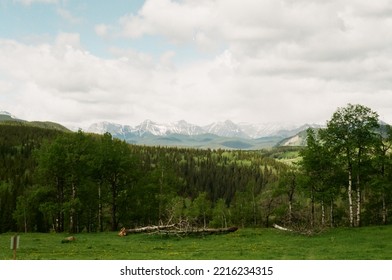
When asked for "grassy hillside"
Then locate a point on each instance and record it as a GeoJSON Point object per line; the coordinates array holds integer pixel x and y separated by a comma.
{"type": "Point", "coordinates": [6, 118]}
{"type": "Point", "coordinates": [298, 140]}
{"type": "Point", "coordinates": [369, 243]}
{"type": "Point", "coordinates": [285, 154]}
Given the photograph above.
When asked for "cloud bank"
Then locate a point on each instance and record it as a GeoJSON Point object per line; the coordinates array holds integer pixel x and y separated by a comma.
{"type": "Point", "coordinates": [253, 61]}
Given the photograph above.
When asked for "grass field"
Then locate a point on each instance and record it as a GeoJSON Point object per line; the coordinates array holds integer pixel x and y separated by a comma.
{"type": "Point", "coordinates": [369, 243]}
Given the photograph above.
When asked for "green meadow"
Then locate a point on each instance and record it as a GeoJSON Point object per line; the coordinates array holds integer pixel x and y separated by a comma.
{"type": "Point", "coordinates": [367, 243]}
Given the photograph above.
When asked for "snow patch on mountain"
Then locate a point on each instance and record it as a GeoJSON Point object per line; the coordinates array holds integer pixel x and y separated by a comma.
{"type": "Point", "coordinates": [226, 129]}
{"type": "Point", "coordinates": [181, 127]}
{"type": "Point", "coordinates": [223, 129]}
{"type": "Point", "coordinates": [260, 130]}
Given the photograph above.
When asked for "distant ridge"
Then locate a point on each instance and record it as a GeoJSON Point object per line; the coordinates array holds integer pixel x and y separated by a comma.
{"type": "Point", "coordinates": [8, 118]}
{"type": "Point", "coordinates": [299, 139]}
{"type": "Point", "coordinates": [217, 135]}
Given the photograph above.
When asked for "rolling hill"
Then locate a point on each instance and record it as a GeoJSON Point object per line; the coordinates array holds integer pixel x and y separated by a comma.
{"type": "Point", "coordinates": [8, 118]}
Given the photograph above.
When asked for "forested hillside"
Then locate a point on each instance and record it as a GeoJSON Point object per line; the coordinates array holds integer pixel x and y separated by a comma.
{"type": "Point", "coordinates": [78, 181]}
{"type": "Point", "coordinates": [62, 181]}
{"type": "Point", "coordinates": [17, 165]}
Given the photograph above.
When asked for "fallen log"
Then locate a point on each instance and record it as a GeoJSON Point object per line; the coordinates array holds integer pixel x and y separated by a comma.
{"type": "Point", "coordinates": [281, 228]}
{"type": "Point", "coordinates": [200, 231]}
{"type": "Point", "coordinates": [171, 229]}
{"type": "Point", "coordinates": [147, 229]}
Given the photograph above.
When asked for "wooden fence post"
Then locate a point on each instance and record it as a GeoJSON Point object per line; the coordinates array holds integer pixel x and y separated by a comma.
{"type": "Point", "coordinates": [14, 244]}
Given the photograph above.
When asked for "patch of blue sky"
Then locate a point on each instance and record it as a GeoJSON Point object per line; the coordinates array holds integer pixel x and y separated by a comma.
{"type": "Point", "coordinates": [42, 22]}
{"type": "Point", "coordinates": [20, 22]}
{"type": "Point", "coordinates": [104, 11]}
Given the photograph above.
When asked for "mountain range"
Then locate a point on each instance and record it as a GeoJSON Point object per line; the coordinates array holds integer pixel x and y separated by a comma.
{"type": "Point", "coordinates": [227, 134]}
{"type": "Point", "coordinates": [224, 135]}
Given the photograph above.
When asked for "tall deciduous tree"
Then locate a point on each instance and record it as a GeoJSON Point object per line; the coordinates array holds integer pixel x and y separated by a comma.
{"type": "Point", "coordinates": [62, 166]}
{"type": "Point", "coordinates": [115, 167]}
{"type": "Point", "coordinates": [52, 172]}
{"type": "Point", "coordinates": [382, 164]}
{"type": "Point", "coordinates": [202, 207]}
{"type": "Point", "coordinates": [350, 136]}
{"type": "Point", "coordinates": [320, 180]}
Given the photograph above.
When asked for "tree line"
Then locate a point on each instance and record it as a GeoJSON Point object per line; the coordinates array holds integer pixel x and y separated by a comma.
{"type": "Point", "coordinates": [74, 182]}
{"type": "Point", "coordinates": [350, 160]}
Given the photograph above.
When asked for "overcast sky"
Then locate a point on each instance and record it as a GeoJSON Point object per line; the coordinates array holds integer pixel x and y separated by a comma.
{"type": "Point", "coordinates": [261, 61]}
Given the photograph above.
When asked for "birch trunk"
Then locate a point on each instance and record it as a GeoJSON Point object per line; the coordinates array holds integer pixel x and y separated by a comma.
{"type": "Point", "coordinates": [350, 198]}
{"type": "Point", "coordinates": [358, 221]}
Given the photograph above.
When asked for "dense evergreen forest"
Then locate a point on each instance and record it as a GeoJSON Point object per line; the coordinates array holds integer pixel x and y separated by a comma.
{"type": "Point", "coordinates": [53, 180]}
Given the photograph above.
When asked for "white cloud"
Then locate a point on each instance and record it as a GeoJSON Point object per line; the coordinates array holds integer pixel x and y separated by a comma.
{"type": "Point", "coordinates": [132, 57]}
{"type": "Point", "coordinates": [68, 39]}
{"type": "Point", "coordinates": [267, 61]}
{"type": "Point", "coordinates": [178, 22]}
{"type": "Point", "coordinates": [68, 82]}
{"type": "Point", "coordinates": [322, 30]}
{"type": "Point", "coordinates": [101, 29]}
{"type": "Point", "coordinates": [68, 16]}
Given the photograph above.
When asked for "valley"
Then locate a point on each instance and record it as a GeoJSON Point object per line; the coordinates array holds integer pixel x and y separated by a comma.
{"type": "Point", "coordinates": [53, 179]}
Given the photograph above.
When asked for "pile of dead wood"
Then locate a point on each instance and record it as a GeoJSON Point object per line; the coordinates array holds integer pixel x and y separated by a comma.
{"type": "Point", "coordinates": [176, 230]}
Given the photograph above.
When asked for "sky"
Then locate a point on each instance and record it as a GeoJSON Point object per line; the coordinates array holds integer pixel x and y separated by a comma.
{"type": "Point", "coordinates": [259, 61]}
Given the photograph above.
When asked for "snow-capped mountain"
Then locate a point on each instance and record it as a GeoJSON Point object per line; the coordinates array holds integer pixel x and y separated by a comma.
{"type": "Point", "coordinates": [226, 129]}
{"type": "Point", "coordinates": [222, 129]}
{"type": "Point", "coordinates": [148, 127]}
{"type": "Point", "coordinates": [185, 128]}
{"type": "Point", "coordinates": [159, 129]}
{"type": "Point", "coordinates": [265, 129]}
{"type": "Point", "coordinates": [112, 128]}
{"type": "Point", "coordinates": [226, 135]}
